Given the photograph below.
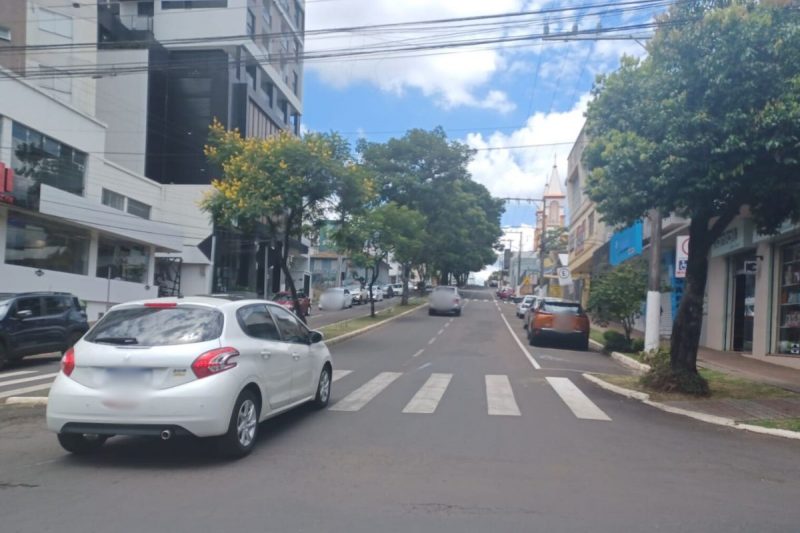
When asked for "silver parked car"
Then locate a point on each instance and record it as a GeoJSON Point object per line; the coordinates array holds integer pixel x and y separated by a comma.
{"type": "Point", "coordinates": [524, 305]}
{"type": "Point", "coordinates": [335, 298]}
{"type": "Point", "coordinates": [444, 299]}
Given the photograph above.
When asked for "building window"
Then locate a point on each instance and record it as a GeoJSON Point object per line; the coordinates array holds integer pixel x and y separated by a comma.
{"type": "Point", "coordinates": [284, 106]}
{"type": "Point", "coordinates": [268, 89]}
{"type": "Point", "coordinates": [251, 24]}
{"type": "Point", "coordinates": [38, 243]}
{"type": "Point", "coordinates": [53, 22]}
{"type": "Point", "coordinates": [138, 209]}
{"type": "Point", "coordinates": [298, 16]}
{"type": "Point", "coordinates": [113, 199]}
{"type": "Point", "coordinates": [591, 224]}
{"type": "Point", "coordinates": [126, 260]}
{"type": "Point", "coordinates": [38, 159]}
{"type": "Point", "coordinates": [54, 79]}
{"type": "Point", "coordinates": [789, 324]}
{"type": "Point", "coordinates": [296, 83]}
{"type": "Point", "coordinates": [554, 218]}
{"type": "Point", "coordinates": [5, 34]}
{"type": "Point", "coordinates": [191, 4]}
{"type": "Point", "coordinates": [145, 9]}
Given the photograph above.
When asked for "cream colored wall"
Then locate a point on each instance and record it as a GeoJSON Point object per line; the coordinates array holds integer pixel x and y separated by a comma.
{"type": "Point", "coordinates": [714, 332]}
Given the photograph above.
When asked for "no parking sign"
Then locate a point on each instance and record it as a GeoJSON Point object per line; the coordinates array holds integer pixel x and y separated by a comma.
{"type": "Point", "coordinates": [564, 276]}
{"type": "Point", "coordinates": [681, 255]}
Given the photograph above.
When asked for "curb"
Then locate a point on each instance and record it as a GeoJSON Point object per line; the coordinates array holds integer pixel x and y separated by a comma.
{"type": "Point", "coordinates": [348, 336]}
{"type": "Point", "coordinates": [621, 358]}
{"type": "Point", "coordinates": [26, 400]}
{"type": "Point", "coordinates": [697, 415]}
{"type": "Point", "coordinates": [630, 362]}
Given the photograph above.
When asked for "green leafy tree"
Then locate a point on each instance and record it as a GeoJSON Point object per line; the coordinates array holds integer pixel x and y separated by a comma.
{"type": "Point", "coordinates": [283, 183]}
{"type": "Point", "coordinates": [706, 126]}
{"type": "Point", "coordinates": [617, 295]}
{"type": "Point", "coordinates": [425, 171]}
{"type": "Point", "coordinates": [370, 236]}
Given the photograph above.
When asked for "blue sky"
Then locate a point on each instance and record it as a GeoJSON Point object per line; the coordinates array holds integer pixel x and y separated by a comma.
{"type": "Point", "coordinates": [490, 98]}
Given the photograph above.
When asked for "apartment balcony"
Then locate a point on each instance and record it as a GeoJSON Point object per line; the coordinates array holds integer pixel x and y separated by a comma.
{"type": "Point", "coordinates": [115, 30]}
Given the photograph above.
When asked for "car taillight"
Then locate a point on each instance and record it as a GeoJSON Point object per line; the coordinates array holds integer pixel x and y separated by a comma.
{"type": "Point", "coordinates": [214, 361]}
{"type": "Point", "coordinates": [68, 362]}
{"type": "Point", "coordinates": [161, 305]}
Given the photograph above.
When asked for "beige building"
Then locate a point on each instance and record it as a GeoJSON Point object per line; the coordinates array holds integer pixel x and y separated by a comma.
{"type": "Point", "coordinates": [587, 232]}
{"type": "Point", "coordinates": [753, 293]}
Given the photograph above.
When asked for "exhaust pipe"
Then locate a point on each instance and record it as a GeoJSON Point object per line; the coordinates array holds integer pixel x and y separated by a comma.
{"type": "Point", "coordinates": [166, 434]}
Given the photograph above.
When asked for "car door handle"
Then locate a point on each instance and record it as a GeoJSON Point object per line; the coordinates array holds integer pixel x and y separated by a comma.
{"type": "Point", "coordinates": [266, 354]}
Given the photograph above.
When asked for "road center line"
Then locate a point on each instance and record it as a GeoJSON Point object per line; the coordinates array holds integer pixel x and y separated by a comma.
{"type": "Point", "coordinates": [535, 364]}
{"type": "Point", "coordinates": [419, 352]}
{"type": "Point", "coordinates": [431, 341]}
{"type": "Point", "coordinates": [576, 400]}
{"type": "Point", "coordinates": [440, 331]}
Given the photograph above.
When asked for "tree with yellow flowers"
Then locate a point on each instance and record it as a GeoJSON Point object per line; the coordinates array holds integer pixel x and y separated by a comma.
{"type": "Point", "coordinates": [284, 183]}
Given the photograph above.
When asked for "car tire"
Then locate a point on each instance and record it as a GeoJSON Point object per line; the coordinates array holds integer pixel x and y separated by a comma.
{"type": "Point", "coordinates": [584, 345]}
{"type": "Point", "coordinates": [240, 439]}
{"type": "Point", "coordinates": [458, 313]}
{"type": "Point", "coordinates": [79, 444]}
{"type": "Point", "coordinates": [323, 388]}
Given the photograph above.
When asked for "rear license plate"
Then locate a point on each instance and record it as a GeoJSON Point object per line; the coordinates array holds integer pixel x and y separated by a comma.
{"type": "Point", "coordinates": [563, 323]}
{"type": "Point", "coordinates": [128, 376]}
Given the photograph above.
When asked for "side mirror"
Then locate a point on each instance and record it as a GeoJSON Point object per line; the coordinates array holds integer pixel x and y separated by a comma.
{"type": "Point", "coordinates": [24, 313]}
{"type": "Point", "coordinates": [315, 337]}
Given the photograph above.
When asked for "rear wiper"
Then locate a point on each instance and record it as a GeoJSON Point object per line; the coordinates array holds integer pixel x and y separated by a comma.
{"type": "Point", "coordinates": [117, 340]}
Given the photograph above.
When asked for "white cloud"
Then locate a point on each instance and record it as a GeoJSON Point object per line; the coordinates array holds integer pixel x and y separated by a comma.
{"type": "Point", "coordinates": [451, 80]}
{"type": "Point", "coordinates": [522, 172]}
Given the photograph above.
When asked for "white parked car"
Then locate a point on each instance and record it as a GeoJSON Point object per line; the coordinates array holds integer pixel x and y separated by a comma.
{"type": "Point", "coordinates": [444, 299]}
{"type": "Point", "coordinates": [201, 366]}
{"type": "Point", "coordinates": [524, 305]}
{"type": "Point", "coordinates": [334, 299]}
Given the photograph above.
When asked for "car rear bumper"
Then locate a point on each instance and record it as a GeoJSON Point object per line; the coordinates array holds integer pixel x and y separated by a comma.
{"type": "Point", "coordinates": [201, 408]}
{"type": "Point", "coordinates": [555, 335]}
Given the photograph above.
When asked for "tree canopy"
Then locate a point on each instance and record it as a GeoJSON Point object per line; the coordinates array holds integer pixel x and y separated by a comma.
{"type": "Point", "coordinates": [706, 126]}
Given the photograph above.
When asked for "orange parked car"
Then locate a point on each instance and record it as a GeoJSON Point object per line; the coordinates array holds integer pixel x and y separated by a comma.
{"type": "Point", "coordinates": [559, 321]}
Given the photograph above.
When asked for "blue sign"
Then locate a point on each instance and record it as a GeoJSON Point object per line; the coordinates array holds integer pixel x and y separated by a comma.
{"type": "Point", "coordinates": [625, 244]}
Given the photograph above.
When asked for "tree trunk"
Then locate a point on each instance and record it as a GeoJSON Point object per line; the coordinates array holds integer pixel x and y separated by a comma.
{"type": "Point", "coordinates": [287, 273]}
{"type": "Point", "coordinates": [688, 323]}
{"type": "Point", "coordinates": [404, 277]}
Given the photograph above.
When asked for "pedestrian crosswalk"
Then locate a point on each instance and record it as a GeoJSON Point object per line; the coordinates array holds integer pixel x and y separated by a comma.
{"type": "Point", "coordinates": [22, 382]}
{"type": "Point", "coordinates": [499, 395]}
{"type": "Point", "coordinates": [499, 392]}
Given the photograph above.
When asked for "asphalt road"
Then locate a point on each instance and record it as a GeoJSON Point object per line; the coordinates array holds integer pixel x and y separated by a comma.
{"type": "Point", "coordinates": [504, 450]}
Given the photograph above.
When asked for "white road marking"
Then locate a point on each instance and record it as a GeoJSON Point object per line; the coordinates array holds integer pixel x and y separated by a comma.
{"type": "Point", "coordinates": [24, 390]}
{"type": "Point", "coordinates": [577, 401]}
{"type": "Point", "coordinates": [426, 365]}
{"type": "Point", "coordinates": [26, 380]}
{"type": "Point", "coordinates": [431, 341]}
{"type": "Point", "coordinates": [500, 397]}
{"type": "Point", "coordinates": [522, 347]}
{"type": "Point", "coordinates": [440, 331]}
{"type": "Point", "coordinates": [339, 374]}
{"type": "Point", "coordinates": [419, 352]}
{"type": "Point", "coordinates": [366, 392]}
{"type": "Point", "coordinates": [427, 398]}
{"type": "Point", "coordinates": [18, 373]}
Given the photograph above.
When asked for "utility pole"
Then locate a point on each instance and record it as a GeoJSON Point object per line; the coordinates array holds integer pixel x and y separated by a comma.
{"type": "Point", "coordinates": [542, 245]}
{"type": "Point", "coordinates": [653, 316]}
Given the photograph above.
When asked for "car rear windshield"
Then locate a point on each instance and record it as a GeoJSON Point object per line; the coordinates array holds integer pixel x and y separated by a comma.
{"type": "Point", "coordinates": [566, 308]}
{"type": "Point", "coordinates": [444, 289]}
{"type": "Point", "coordinates": [148, 326]}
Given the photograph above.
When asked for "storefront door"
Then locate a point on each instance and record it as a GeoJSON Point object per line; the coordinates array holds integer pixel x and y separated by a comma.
{"type": "Point", "coordinates": [744, 296]}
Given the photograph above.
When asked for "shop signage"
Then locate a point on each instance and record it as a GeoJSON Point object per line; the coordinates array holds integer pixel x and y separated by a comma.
{"type": "Point", "coordinates": [736, 236]}
{"type": "Point", "coordinates": [786, 227]}
{"type": "Point", "coordinates": [626, 243]}
{"type": "Point", "coordinates": [6, 184]}
{"type": "Point", "coordinates": [681, 255]}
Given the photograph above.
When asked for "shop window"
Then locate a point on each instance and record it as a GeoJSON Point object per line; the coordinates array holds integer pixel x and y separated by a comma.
{"type": "Point", "coordinates": [789, 324]}
{"type": "Point", "coordinates": [37, 243]}
{"type": "Point", "coordinates": [122, 260]}
{"type": "Point", "coordinates": [38, 159]}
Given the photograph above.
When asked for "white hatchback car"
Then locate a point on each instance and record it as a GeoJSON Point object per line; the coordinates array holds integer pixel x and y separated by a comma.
{"type": "Point", "coordinates": [201, 366]}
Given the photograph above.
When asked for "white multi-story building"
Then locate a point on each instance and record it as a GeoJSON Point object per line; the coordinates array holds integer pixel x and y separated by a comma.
{"type": "Point", "coordinates": [103, 143]}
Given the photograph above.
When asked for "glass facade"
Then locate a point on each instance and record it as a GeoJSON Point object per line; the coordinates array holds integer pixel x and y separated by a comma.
{"type": "Point", "coordinates": [128, 261]}
{"type": "Point", "coordinates": [38, 159]}
{"type": "Point", "coordinates": [789, 311]}
{"type": "Point", "coordinates": [37, 243]}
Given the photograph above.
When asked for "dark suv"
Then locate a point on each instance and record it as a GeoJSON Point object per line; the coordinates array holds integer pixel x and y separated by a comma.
{"type": "Point", "coordinates": [39, 322]}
